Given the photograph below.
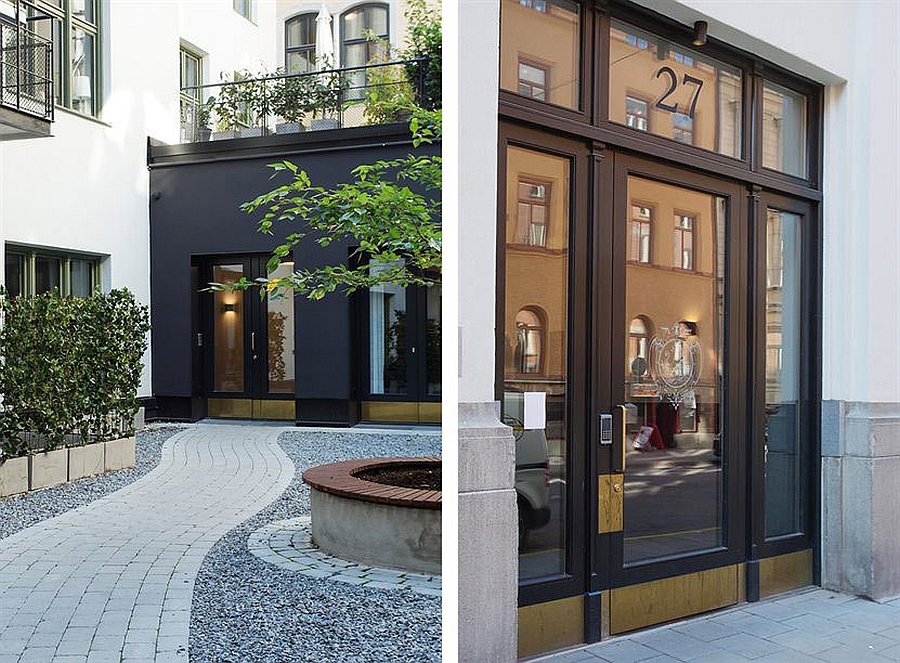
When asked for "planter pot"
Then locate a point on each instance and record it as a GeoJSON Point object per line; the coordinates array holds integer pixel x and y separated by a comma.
{"type": "Point", "coordinates": [289, 128]}
{"type": "Point", "coordinates": [250, 132]}
{"type": "Point", "coordinates": [49, 468]}
{"type": "Point", "coordinates": [119, 453]}
{"type": "Point", "coordinates": [86, 461]}
{"type": "Point", "coordinates": [204, 135]}
{"type": "Point", "coordinates": [324, 123]}
{"type": "Point", "coordinates": [14, 476]}
{"type": "Point", "coordinates": [225, 135]}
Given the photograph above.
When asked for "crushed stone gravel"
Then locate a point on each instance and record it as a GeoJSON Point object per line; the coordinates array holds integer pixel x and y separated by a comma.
{"type": "Point", "coordinates": [21, 511]}
{"type": "Point", "coordinates": [247, 610]}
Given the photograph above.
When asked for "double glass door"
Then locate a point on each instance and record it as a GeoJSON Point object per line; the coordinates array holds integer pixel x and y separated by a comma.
{"type": "Point", "coordinates": [658, 330]}
{"type": "Point", "coordinates": [250, 343]}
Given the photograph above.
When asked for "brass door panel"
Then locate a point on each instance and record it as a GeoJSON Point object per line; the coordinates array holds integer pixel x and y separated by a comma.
{"type": "Point", "coordinates": [401, 412]}
{"type": "Point", "coordinates": [785, 572]}
{"type": "Point", "coordinates": [610, 502]}
{"type": "Point", "coordinates": [246, 408]}
{"type": "Point", "coordinates": [544, 627]}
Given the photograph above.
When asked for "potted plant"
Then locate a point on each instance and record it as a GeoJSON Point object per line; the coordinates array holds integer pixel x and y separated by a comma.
{"type": "Point", "coordinates": [204, 112]}
{"type": "Point", "coordinates": [389, 95]}
{"type": "Point", "coordinates": [240, 104]}
{"type": "Point", "coordinates": [328, 97]}
{"type": "Point", "coordinates": [290, 100]}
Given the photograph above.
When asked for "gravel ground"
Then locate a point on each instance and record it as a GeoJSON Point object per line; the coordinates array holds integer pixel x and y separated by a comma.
{"type": "Point", "coordinates": [247, 610]}
{"type": "Point", "coordinates": [20, 512]}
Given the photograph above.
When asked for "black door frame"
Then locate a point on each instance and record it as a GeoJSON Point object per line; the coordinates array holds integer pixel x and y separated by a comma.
{"type": "Point", "coordinates": [255, 331]}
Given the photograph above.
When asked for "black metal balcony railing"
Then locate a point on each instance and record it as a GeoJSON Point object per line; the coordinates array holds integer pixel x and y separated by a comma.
{"type": "Point", "coordinates": [373, 94]}
{"type": "Point", "coordinates": [26, 78]}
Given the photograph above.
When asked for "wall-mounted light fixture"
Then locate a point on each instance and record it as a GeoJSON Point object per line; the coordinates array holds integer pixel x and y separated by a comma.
{"type": "Point", "coordinates": [228, 308]}
{"type": "Point", "coordinates": [700, 28]}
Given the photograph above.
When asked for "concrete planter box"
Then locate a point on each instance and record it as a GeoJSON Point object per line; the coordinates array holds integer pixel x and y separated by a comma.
{"type": "Point", "coordinates": [86, 461]}
{"type": "Point", "coordinates": [119, 454]}
{"type": "Point", "coordinates": [14, 476]}
{"type": "Point", "coordinates": [49, 468]}
{"type": "Point", "coordinates": [324, 123]}
{"type": "Point", "coordinates": [289, 128]}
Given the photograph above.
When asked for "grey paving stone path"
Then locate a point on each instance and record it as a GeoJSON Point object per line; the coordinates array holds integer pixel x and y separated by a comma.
{"type": "Point", "coordinates": [808, 625]}
{"type": "Point", "coordinates": [288, 545]}
{"type": "Point", "coordinates": [113, 580]}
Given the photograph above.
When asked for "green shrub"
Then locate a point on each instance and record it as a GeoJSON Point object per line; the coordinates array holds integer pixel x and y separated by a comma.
{"type": "Point", "coordinates": [69, 368]}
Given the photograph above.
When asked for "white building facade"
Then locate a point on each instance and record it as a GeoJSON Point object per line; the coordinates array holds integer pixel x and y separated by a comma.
{"type": "Point", "coordinates": [812, 156]}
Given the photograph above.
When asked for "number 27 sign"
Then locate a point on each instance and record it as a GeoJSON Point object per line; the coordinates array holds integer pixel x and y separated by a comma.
{"type": "Point", "coordinates": [673, 86]}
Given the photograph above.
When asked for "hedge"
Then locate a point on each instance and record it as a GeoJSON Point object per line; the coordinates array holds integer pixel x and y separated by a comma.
{"type": "Point", "coordinates": [70, 368]}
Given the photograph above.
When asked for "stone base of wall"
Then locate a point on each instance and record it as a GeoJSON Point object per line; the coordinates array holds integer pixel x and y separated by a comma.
{"type": "Point", "coordinates": [861, 498]}
{"type": "Point", "coordinates": [52, 468]}
{"type": "Point", "coordinates": [488, 536]}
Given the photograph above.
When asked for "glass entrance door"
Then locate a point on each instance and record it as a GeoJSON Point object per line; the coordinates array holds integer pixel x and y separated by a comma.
{"type": "Point", "coordinates": [250, 348]}
{"type": "Point", "coordinates": [672, 463]}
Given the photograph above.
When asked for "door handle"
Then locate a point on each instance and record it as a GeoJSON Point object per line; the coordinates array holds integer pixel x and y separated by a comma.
{"type": "Point", "coordinates": [252, 341]}
{"type": "Point", "coordinates": [624, 441]}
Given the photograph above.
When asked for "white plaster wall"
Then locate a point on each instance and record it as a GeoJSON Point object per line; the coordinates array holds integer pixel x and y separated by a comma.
{"type": "Point", "coordinates": [86, 188]}
{"type": "Point", "coordinates": [479, 21]}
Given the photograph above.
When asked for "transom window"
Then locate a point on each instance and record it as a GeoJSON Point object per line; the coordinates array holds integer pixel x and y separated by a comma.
{"type": "Point", "coordinates": [74, 28]}
{"type": "Point", "coordinates": [33, 272]}
{"type": "Point", "coordinates": [533, 211]}
{"type": "Point", "coordinates": [641, 224]}
{"type": "Point", "coordinates": [300, 44]}
{"type": "Point", "coordinates": [684, 242]}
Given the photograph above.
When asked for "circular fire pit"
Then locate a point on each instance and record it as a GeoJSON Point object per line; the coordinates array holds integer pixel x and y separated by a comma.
{"type": "Point", "coordinates": [379, 511]}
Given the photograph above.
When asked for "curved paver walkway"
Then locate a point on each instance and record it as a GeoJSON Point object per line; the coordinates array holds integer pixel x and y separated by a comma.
{"type": "Point", "coordinates": [113, 580]}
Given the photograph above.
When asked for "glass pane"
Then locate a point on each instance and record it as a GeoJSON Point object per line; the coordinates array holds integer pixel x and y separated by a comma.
{"type": "Point", "coordinates": [377, 20]}
{"type": "Point", "coordinates": [228, 332]}
{"type": "Point", "coordinates": [387, 340]}
{"type": "Point", "coordinates": [540, 50]}
{"type": "Point", "coordinates": [782, 431]}
{"type": "Point", "coordinates": [535, 357]}
{"type": "Point", "coordinates": [80, 277]}
{"type": "Point", "coordinates": [300, 62]}
{"type": "Point", "coordinates": [51, 29]}
{"type": "Point", "coordinates": [46, 274]}
{"type": "Point", "coordinates": [433, 341]}
{"type": "Point", "coordinates": [784, 130]}
{"type": "Point", "coordinates": [14, 278]}
{"type": "Point", "coordinates": [692, 98]}
{"type": "Point", "coordinates": [301, 31]}
{"type": "Point", "coordinates": [354, 24]}
{"type": "Point", "coordinates": [673, 376]}
{"type": "Point", "coordinates": [83, 91]}
{"type": "Point", "coordinates": [83, 9]}
{"type": "Point", "coordinates": [280, 336]}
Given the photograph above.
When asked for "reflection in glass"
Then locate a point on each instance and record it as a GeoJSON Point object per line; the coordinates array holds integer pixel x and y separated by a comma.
{"type": "Point", "coordinates": [14, 277]}
{"type": "Point", "coordinates": [433, 340]}
{"type": "Point", "coordinates": [387, 339]}
{"type": "Point", "coordinates": [228, 331]}
{"type": "Point", "coordinates": [83, 93]}
{"type": "Point", "coordinates": [782, 429]}
{"type": "Point", "coordinates": [673, 373]}
{"type": "Point", "coordinates": [536, 305]}
{"type": "Point", "coordinates": [671, 91]}
{"type": "Point", "coordinates": [784, 130]}
{"type": "Point", "coordinates": [546, 68]}
{"type": "Point", "coordinates": [80, 278]}
{"type": "Point", "coordinates": [46, 274]}
{"type": "Point", "coordinates": [280, 335]}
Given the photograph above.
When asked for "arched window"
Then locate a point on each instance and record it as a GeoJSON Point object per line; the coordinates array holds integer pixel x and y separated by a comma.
{"type": "Point", "coordinates": [300, 44]}
{"type": "Point", "coordinates": [529, 341]}
{"type": "Point", "coordinates": [639, 332]}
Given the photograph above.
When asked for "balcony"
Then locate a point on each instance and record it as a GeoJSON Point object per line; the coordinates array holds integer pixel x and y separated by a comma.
{"type": "Point", "coordinates": [374, 94]}
{"type": "Point", "coordinates": [26, 80]}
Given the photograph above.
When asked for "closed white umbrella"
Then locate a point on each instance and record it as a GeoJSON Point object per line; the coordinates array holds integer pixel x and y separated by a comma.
{"type": "Point", "coordinates": [324, 40]}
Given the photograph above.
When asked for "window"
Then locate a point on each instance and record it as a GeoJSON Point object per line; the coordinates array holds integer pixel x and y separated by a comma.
{"type": "Point", "coordinates": [532, 80]}
{"type": "Point", "coordinates": [529, 341]}
{"type": "Point", "coordinates": [300, 44]}
{"type": "Point", "coordinates": [637, 114]}
{"type": "Point", "coordinates": [244, 8]}
{"type": "Point", "coordinates": [356, 49]}
{"type": "Point", "coordinates": [191, 78]}
{"type": "Point", "coordinates": [784, 130]}
{"type": "Point", "coordinates": [683, 128]}
{"type": "Point", "coordinates": [533, 212]}
{"type": "Point", "coordinates": [684, 242]}
{"type": "Point", "coordinates": [73, 27]}
{"type": "Point", "coordinates": [540, 40]}
{"type": "Point", "coordinates": [641, 222]}
{"type": "Point", "coordinates": [30, 272]}
{"type": "Point", "coordinates": [639, 346]}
